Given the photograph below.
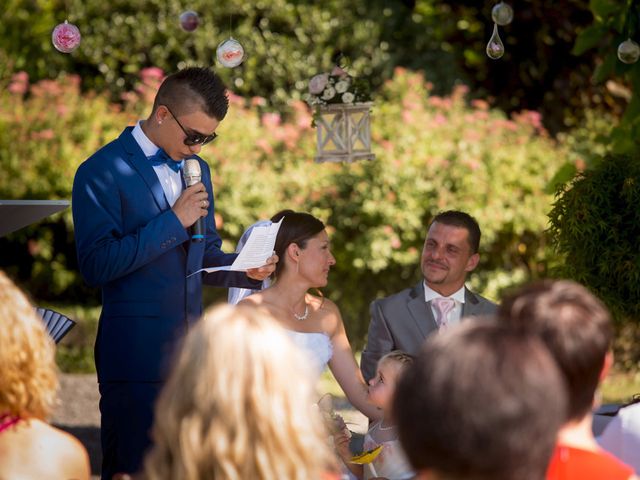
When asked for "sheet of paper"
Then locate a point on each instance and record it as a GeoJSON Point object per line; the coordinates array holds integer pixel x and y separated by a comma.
{"type": "Point", "coordinates": [257, 249]}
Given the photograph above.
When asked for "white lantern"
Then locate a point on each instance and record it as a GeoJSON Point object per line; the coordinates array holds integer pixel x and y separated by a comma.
{"type": "Point", "coordinates": [344, 133]}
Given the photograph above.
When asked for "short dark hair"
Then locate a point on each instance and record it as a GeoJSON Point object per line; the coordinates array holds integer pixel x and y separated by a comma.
{"type": "Point", "coordinates": [297, 227]}
{"type": "Point", "coordinates": [194, 87]}
{"type": "Point", "coordinates": [470, 406]}
{"type": "Point", "coordinates": [460, 219]}
{"type": "Point", "coordinates": [576, 328]}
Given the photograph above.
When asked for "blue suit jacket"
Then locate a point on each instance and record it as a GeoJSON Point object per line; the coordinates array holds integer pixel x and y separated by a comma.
{"type": "Point", "coordinates": [131, 244]}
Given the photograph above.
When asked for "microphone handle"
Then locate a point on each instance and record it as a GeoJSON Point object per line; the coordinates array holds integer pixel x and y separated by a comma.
{"type": "Point", "coordinates": [197, 230]}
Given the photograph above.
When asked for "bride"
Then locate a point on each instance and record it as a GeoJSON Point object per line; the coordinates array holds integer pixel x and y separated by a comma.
{"type": "Point", "coordinates": [313, 322]}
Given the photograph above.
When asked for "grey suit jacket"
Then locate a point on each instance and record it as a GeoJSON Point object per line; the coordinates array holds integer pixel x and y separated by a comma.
{"type": "Point", "coordinates": [402, 322]}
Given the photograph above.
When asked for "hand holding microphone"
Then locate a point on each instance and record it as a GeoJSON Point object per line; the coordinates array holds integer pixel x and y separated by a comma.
{"type": "Point", "coordinates": [192, 205]}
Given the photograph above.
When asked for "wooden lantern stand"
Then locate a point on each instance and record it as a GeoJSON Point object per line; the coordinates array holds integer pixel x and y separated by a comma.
{"type": "Point", "coordinates": [344, 132]}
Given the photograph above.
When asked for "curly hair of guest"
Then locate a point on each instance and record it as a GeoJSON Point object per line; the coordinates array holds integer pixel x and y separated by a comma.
{"type": "Point", "coordinates": [238, 405]}
{"type": "Point", "coordinates": [28, 374]}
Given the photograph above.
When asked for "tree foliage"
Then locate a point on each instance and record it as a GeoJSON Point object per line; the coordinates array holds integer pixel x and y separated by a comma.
{"type": "Point", "coordinates": [289, 41]}
{"type": "Point", "coordinates": [614, 21]}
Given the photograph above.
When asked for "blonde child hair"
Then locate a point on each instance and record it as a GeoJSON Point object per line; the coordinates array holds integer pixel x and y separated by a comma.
{"type": "Point", "coordinates": [398, 357]}
{"type": "Point", "coordinates": [238, 405]}
{"type": "Point", "coordinates": [28, 374]}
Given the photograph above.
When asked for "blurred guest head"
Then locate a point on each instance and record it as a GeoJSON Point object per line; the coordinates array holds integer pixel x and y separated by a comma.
{"type": "Point", "coordinates": [29, 447]}
{"type": "Point", "coordinates": [575, 326]}
{"type": "Point", "coordinates": [470, 406]}
{"type": "Point", "coordinates": [238, 405]}
{"type": "Point", "coordinates": [28, 375]}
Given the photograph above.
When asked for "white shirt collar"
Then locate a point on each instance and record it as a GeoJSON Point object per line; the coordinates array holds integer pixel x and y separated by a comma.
{"type": "Point", "coordinates": [148, 147]}
{"type": "Point", "coordinates": [430, 294]}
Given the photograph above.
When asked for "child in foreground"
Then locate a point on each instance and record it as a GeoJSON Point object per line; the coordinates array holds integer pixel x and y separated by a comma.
{"type": "Point", "coordinates": [391, 462]}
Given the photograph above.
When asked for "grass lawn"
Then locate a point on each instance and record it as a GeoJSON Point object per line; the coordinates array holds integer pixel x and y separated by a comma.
{"type": "Point", "coordinates": [75, 355]}
{"type": "Point", "coordinates": [619, 387]}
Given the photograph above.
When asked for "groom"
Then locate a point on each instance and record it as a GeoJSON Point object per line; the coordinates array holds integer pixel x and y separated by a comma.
{"type": "Point", "coordinates": [439, 301]}
{"type": "Point", "coordinates": [132, 215]}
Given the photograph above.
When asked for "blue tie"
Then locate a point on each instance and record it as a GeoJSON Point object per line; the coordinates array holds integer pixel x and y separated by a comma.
{"type": "Point", "coordinates": [161, 157]}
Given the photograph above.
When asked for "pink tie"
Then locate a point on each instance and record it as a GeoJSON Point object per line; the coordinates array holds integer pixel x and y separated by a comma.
{"type": "Point", "coordinates": [443, 307]}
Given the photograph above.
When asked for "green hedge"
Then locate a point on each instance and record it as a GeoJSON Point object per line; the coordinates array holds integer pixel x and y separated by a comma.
{"type": "Point", "coordinates": [432, 152]}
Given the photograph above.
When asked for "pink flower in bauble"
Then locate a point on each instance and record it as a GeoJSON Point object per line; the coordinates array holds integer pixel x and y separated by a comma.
{"type": "Point", "coordinates": [66, 37]}
{"type": "Point", "coordinates": [317, 83]}
{"type": "Point", "coordinates": [230, 53]}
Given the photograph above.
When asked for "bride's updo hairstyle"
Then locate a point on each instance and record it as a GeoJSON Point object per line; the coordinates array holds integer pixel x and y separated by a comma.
{"type": "Point", "coordinates": [297, 227]}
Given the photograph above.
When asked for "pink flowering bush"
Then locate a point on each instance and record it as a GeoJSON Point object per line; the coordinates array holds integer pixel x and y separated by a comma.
{"type": "Point", "coordinates": [432, 153]}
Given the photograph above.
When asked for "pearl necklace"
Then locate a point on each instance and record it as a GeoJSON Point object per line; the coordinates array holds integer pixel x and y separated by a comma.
{"type": "Point", "coordinates": [304, 316]}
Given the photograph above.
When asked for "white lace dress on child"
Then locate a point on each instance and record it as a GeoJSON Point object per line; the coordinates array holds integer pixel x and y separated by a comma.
{"type": "Point", "coordinates": [316, 346]}
{"type": "Point", "coordinates": [391, 463]}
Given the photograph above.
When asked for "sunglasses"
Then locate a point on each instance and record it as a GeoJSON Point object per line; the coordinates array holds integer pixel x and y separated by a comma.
{"type": "Point", "coordinates": [196, 138]}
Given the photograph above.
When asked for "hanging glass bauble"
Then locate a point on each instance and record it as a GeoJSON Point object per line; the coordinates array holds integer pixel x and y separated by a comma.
{"type": "Point", "coordinates": [66, 37]}
{"type": "Point", "coordinates": [495, 47]}
{"type": "Point", "coordinates": [230, 53]}
{"type": "Point", "coordinates": [628, 51]}
{"type": "Point", "coordinates": [189, 21]}
{"type": "Point", "coordinates": [502, 14]}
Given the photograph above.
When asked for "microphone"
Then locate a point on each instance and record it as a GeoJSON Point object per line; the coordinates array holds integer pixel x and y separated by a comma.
{"type": "Point", "coordinates": [192, 175]}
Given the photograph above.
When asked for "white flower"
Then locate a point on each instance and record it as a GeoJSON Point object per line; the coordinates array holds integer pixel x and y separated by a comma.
{"type": "Point", "coordinates": [328, 93]}
{"type": "Point", "coordinates": [342, 86]}
{"type": "Point", "coordinates": [317, 83]}
{"type": "Point", "coordinates": [348, 97]}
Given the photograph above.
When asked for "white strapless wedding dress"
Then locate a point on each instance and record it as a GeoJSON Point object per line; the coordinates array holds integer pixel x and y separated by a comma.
{"type": "Point", "coordinates": [317, 347]}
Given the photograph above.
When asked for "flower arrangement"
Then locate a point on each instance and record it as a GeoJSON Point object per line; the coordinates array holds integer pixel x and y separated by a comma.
{"type": "Point", "coordinates": [337, 87]}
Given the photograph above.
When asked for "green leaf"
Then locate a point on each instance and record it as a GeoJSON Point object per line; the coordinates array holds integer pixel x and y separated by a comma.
{"type": "Point", "coordinates": [606, 68]}
{"type": "Point", "coordinates": [565, 173]}
{"type": "Point", "coordinates": [604, 8]}
{"type": "Point", "coordinates": [588, 39]}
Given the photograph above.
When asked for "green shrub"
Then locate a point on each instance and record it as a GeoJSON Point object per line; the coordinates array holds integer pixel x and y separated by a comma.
{"type": "Point", "coordinates": [595, 226]}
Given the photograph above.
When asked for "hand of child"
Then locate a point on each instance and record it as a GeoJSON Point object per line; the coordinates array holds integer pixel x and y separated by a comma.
{"type": "Point", "coordinates": [341, 442]}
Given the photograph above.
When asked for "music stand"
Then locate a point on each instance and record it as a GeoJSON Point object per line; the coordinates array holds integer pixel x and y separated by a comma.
{"type": "Point", "coordinates": [15, 214]}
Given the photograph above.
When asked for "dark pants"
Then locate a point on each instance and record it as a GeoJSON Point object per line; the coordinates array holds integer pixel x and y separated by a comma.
{"type": "Point", "coordinates": [125, 429]}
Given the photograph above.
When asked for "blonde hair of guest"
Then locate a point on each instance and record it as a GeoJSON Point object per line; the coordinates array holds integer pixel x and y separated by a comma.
{"type": "Point", "coordinates": [28, 376]}
{"type": "Point", "coordinates": [238, 405]}
{"type": "Point", "coordinates": [31, 448]}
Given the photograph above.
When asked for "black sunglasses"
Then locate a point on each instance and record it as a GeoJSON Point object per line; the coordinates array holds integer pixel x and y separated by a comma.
{"type": "Point", "coordinates": [192, 139]}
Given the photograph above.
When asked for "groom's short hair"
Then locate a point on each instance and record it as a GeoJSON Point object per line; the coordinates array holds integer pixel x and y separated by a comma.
{"type": "Point", "coordinates": [194, 88]}
{"type": "Point", "coordinates": [460, 219]}
{"type": "Point", "coordinates": [481, 402]}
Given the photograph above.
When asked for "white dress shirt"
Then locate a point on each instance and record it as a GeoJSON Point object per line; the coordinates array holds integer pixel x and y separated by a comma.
{"type": "Point", "coordinates": [453, 317]}
{"type": "Point", "coordinates": [171, 181]}
{"type": "Point", "coordinates": [622, 436]}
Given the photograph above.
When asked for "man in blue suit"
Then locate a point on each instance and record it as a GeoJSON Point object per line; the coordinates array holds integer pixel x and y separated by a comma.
{"type": "Point", "coordinates": [132, 214]}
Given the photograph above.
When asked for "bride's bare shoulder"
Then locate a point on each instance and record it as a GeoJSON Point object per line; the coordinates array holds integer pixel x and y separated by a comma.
{"type": "Point", "coordinates": [323, 304]}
